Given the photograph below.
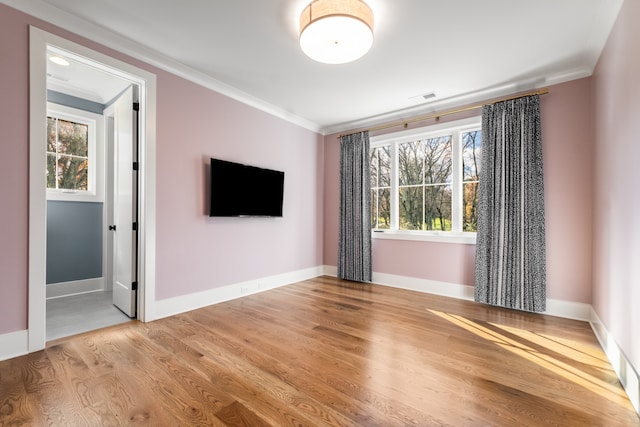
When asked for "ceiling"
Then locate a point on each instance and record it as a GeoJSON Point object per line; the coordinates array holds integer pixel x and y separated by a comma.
{"type": "Point", "coordinates": [462, 50]}
{"type": "Point", "coordinates": [82, 80]}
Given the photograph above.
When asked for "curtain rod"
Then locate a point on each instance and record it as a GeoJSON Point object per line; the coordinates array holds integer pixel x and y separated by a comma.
{"type": "Point", "coordinates": [437, 116]}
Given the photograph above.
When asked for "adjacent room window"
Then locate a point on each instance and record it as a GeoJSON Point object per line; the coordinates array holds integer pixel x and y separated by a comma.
{"type": "Point", "coordinates": [71, 153]}
{"type": "Point", "coordinates": [67, 154]}
{"type": "Point", "coordinates": [424, 182]}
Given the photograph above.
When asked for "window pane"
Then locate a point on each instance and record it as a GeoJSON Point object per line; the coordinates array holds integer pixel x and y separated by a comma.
{"type": "Point", "coordinates": [471, 151]}
{"type": "Point", "coordinates": [73, 138]}
{"type": "Point", "coordinates": [411, 163]}
{"type": "Point", "coordinates": [51, 134]}
{"type": "Point", "coordinates": [373, 168]}
{"type": "Point", "coordinates": [51, 171]}
{"type": "Point", "coordinates": [438, 207]}
{"type": "Point", "coordinates": [374, 208]}
{"type": "Point", "coordinates": [381, 167]}
{"type": "Point", "coordinates": [72, 173]}
{"type": "Point", "coordinates": [470, 201]}
{"type": "Point", "coordinates": [384, 166]}
{"type": "Point", "coordinates": [380, 209]}
{"type": "Point", "coordinates": [437, 160]}
{"type": "Point", "coordinates": [423, 184]}
{"type": "Point", "coordinates": [411, 208]}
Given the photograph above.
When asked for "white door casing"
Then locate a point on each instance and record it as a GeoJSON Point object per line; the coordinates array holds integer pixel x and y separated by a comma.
{"type": "Point", "coordinates": [39, 41]}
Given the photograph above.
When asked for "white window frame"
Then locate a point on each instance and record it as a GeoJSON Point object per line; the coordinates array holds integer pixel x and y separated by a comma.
{"type": "Point", "coordinates": [95, 180]}
{"type": "Point", "coordinates": [455, 129]}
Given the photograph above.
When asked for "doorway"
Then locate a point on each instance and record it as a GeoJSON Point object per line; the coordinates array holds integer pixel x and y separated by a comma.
{"type": "Point", "coordinates": [42, 44]}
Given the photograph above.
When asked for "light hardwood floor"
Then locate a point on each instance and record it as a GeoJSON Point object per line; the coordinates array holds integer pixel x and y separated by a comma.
{"type": "Point", "coordinates": [323, 353]}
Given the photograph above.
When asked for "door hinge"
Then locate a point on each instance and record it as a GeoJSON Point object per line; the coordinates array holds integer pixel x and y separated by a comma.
{"type": "Point", "coordinates": [135, 166]}
{"type": "Point", "coordinates": [136, 106]}
{"type": "Point", "coordinates": [135, 226]}
{"type": "Point", "coordinates": [134, 286]}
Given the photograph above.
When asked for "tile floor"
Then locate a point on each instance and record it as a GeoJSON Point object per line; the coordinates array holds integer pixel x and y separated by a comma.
{"type": "Point", "coordinates": [76, 314]}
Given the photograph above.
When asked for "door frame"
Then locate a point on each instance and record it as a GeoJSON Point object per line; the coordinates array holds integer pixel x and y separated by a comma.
{"type": "Point", "coordinates": [39, 40]}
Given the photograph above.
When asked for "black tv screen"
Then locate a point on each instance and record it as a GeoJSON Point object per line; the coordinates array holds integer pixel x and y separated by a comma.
{"type": "Point", "coordinates": [243, 190]}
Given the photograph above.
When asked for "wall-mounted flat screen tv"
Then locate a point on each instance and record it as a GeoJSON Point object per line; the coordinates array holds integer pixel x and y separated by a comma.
{"type": "Point", "coordinates": [243, 190]}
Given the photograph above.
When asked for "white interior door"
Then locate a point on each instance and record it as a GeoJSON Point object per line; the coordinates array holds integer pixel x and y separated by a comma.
{"type": "Point", "coordinates": [124, 205]}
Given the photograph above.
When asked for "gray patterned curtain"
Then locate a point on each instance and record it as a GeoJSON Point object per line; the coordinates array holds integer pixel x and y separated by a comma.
{"type": "Point", "coordinates": [354, 250]}
{"type": "Point", "coordinates": [510, 247]}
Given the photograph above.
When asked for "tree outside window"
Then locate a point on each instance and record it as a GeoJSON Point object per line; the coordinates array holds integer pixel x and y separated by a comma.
{"type": "Point", "coordinates": [381, 188]}
{"type": "Point", "coordinates": [425, 169]}
{"type": "Point", "coordinates": [426, 180]}
{"type": "Point", "coordinates": [470, 179]}
{"type": "Point", "coordinates": [67, 154]}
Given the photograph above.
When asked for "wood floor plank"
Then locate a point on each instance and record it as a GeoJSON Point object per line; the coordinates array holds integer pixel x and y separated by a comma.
{"type": "Point", "coordinates": [238, 415]}
{"type": "Point", "coordinates": [14, 406]}
{"type": "Point", "coordinates": [282, 362]}
{"type": "Point", "coordinates": [323, 352]}
{"type": "Point", "coordinates": [336, 370]}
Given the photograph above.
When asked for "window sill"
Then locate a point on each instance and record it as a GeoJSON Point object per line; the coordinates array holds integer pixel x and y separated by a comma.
{"type": "Point", "coordinates": [426, 236]}
{"type": "Point", "coordinates": [71, 196]}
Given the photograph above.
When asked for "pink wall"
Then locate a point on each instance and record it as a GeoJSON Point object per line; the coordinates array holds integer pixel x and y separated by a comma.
{"type": "Point", "coordinates": [568, 159]}
{"type": "Point", "coordinates": [568, 181]}
{"type": "Point", "coordinates": [616, 284]}
{"type": "Point", "coordinates": [194, 252]}
{"type": "Point", "coordinates": [221, 251]}
{"type": "Point", "coordinates": [14, 175]}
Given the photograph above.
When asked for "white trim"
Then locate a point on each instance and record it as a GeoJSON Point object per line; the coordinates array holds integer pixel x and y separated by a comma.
{"type": "Point", "coordinates": [37, 188]}
{"type": "Point", "coordinates": [446, 104]}
{"type": "Point", "coordinates": [424, 132]}
{"type": "Point", "coordinates": [426, 236]}
{"type": "Point", "coordinates": [13, 344]}
{"type": "Point", "coordinates": [623, 368]}
{"type": "Point", "coordinates": [147, 198]}
{"type": "Point", "coordinates": [455, 130]}
{"type": "Point", "coordinates": [568, 309]}
{"type": "Point", "coordinates": [39, 40]}
{"type": "Point", "coordinates": [434, 287]}
{"type": "Point", "coordinates": [47, 12]}
{"type": "Point", "coordinates": [74, 287]}
{"type": "Point", "coordinates": [95, 122]}
{"type": "Point", "coordinates": [559, 308]}
{"type": "Point", "coordinates": [171, 306]}
{"type": "Point", "coordinates": [107, 211]}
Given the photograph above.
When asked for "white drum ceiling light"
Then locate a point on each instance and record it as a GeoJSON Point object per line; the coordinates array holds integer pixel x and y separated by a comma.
{"type": "Point", "coordinates": [336, 31]}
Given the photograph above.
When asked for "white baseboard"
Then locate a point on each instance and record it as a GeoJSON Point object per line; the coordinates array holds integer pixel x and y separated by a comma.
{"type": "Point", "coordinates": [75, 287]}
{"type": "Point", "coordinates": [625, 371]}
{"type": "Point", "coordinates": [567, 309]}
{"type": "Point", "coordinates": [423, 285]}
{"type": "Point", "coordinates": [14, 344]}
{"type": "Point", "coordinates": [181, 304]}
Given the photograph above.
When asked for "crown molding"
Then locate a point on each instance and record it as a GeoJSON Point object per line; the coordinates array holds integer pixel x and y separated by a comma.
{"type": "Point", "coordinates": [51, 14]}
{"type": "Point", "coordinates": [450, 103]}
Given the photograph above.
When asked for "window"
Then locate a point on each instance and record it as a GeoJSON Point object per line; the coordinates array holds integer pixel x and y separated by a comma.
{"type": "Point", "coordinates": [73, 145]}
{"type": "Point", "coordinates": [67, 154]}
{"type": "Point", "coordinates": [424, 182]}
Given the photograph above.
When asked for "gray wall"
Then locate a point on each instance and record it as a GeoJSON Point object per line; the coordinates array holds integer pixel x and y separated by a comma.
{"type": "Point", "coordinates": [74, 229]}
{"type": "Point", "coordinates": [74, 241]}
{"type": "Point", "coordinates": [74, 102]}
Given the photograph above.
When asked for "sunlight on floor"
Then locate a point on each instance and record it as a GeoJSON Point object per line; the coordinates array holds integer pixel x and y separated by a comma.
{"type": "Point", "coordinates": [567, 349]}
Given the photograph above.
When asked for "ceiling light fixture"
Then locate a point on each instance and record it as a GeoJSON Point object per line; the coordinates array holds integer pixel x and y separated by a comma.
{"type": "Point", "coordinates": [336, 31]}
{"type": "Point", "coordinates": [59, 60]}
